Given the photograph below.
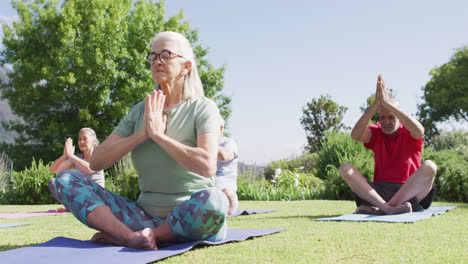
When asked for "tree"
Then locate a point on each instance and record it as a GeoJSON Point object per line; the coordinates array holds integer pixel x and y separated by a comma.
{"type": "Point", "coordinates": [318, 116]}
{"type": "Point", "coordinates": [445, 94]}
{"type": "Point", "coordinates": [5, 110]}
{"type": "Point", "coordinates": [82, 63]}
{"type": "Point", "coordinates": [370, 101]}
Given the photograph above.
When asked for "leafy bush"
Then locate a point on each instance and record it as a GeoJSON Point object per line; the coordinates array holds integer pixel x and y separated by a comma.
{"type": "Point", "coordinates": [303, 163]}
{"type": "Point", "coordinates": [336, 187]}
{"type": "Point", "coordinates": [286, 185]}
{"type": "Point", "coordinates": [455, 140]}
{"type": "Point", "coordinates": [338, 149]}
{"type": "Point", "coordinates": [4, 197]}
{"type": "Point", "coordinates": [452, 178]}
{"type": "Point", "coordinates": [294, 179]}
{"type": "Point", "coordinates": [265, 191]}
{"type": "Point", "coordinates": [31, 186]}
{"type": "Point", "coordinates": [123, 179]}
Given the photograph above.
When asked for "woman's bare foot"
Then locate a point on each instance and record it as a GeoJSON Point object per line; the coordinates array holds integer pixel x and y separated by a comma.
{"type": "Point", "coordinates": [143, 239]}
{"type": "Point", "coordinates": [62, 210]}
{"type": "Point", "coordinates": [233, 202]}
{"type": "Point", "coordinates": [399, 209]}
{"type": "Point", "coordinates": [105, 239]}
{"type": "Point", "coordinates": [366, 209]}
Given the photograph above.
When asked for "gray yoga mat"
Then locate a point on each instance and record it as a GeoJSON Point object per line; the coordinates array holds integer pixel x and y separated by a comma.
{"type": "Point", "coordinates": [399, 218]}
{"type": "Point", "coordinates": [13, 224]}
{"type": "Point", "coordinates": [249, 212]}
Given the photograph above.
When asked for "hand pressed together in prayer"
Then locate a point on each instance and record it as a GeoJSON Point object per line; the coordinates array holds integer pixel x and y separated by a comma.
{"type": "Point", "coordinates": [154, 121]}
{"type": "Point", "coordinates": [153, 116]}
{"type": "Point", "coordinates": [68, 149]}
{"type": "Point", "coordinates": [381, 94]}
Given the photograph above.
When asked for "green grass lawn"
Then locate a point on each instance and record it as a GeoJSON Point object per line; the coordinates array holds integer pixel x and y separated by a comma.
{"type": "Point", "coordinates": [440, 239]}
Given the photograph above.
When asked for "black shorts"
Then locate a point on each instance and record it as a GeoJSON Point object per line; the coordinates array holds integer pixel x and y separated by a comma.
{"type": "Point", "coordinates": [386, 190]}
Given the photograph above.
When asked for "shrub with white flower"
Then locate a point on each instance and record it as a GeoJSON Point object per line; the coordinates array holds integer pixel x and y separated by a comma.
{"type": "Point", "coordinates": [277, 175]}
{"type": "Point", "coordinates": [296, 179]}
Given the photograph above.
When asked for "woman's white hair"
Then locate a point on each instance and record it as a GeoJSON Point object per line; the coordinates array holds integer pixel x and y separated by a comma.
{"type": "Point", "coordinates": [91, 134]}
{"type": "Point", "coordinates": [192, 84]}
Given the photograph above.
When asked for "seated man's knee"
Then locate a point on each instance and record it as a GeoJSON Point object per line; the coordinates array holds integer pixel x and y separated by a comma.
{"type": "Point", "coordinates": [429, 168]}
{"type": "Point", "coordinates": [346, 170]}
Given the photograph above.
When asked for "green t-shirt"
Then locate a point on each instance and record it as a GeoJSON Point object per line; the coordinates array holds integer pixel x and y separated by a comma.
{"type": "Point", "coordinates": [163, 182]}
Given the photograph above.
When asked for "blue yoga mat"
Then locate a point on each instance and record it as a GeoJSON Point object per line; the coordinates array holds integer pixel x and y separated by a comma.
{"type": "Point", "coordinates": [399, 218]}
{"type": "Point", "coordinates": [249, 212]}
{"type": "Point", "coordinates": [66, 250]}
{"type": "Point", "coordinates": [13, 224]}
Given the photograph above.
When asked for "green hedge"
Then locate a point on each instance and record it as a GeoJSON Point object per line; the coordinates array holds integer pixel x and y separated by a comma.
{"type": "Point", "coordinates": [452, 178]}
{"type": "Point", "coordinates": [304, 163]}
{"type": "Point", "coordinates": [338, 149]}
{"type": "Point", "coordinates": [122, 179]}
{"type": "Point", "coordinates": [31, 186]}
{"type": "Point", "coordinates": [264, 191]}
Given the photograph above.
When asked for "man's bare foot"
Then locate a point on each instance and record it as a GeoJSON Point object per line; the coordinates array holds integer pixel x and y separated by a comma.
{"type": "Point", "coordinates": [399, 209]}
{"type": "Point", "coordinates": [143, 239]}
{"type": "Point", "coordinates": [233, 202]}
{"type": "Point", "coordinates": [366, 209]}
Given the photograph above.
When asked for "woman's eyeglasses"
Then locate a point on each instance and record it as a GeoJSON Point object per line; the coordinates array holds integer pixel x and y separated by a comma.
{"type": "Point", "coordinates": [164, 56]}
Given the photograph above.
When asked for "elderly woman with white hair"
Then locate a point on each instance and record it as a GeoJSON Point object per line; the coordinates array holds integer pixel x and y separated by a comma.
{"type": "Point", "coordinates": [87, 142]}
{"type": "Point", "coordinates": [172, 136]}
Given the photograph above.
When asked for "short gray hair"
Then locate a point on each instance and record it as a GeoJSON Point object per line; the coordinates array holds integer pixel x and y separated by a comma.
{"type": "Point", "coordinates": [91, 133]}
{"type": "Point", "coordinates": [192, 85]}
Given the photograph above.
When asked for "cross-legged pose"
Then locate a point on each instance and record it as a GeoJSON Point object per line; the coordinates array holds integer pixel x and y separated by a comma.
{"type": "Point", "coordinates": [173, 139]}
{"type": "Point", "coordinates": [401, 183]}
{"type": "Point", "coordinates": [226, 173]}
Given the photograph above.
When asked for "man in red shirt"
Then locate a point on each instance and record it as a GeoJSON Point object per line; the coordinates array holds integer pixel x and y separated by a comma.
{"type": "Point", "coordinates": [401, 183]}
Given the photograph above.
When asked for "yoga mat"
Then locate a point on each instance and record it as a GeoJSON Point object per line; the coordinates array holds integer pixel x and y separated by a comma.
{"type": "Point", "coordinates": [13, 224]}
{"type": "Point", "coordinates": [399, 218]}
{"type": "Point", "coordinates": [66, 250]}
{"type": "Point", "coordinates": [249, 212]}
{"type": "Point", "coordinates": [28, 214]}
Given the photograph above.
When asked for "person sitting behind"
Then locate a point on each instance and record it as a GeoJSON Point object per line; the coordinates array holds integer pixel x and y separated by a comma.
{"type": "Point", "coordinates": [87, 142]}
{"type": "Point", "coordinates": [226, 173]}
{"type": "Point", "coordinates": [401, 183]}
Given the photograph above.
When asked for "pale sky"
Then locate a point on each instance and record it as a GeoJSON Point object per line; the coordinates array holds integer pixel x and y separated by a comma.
{"type": "Point", "coordinates": [280, 55]}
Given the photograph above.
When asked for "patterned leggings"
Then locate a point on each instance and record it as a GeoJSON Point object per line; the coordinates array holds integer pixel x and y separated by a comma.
{"type": "Point", "coordinates": [202, 217]}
